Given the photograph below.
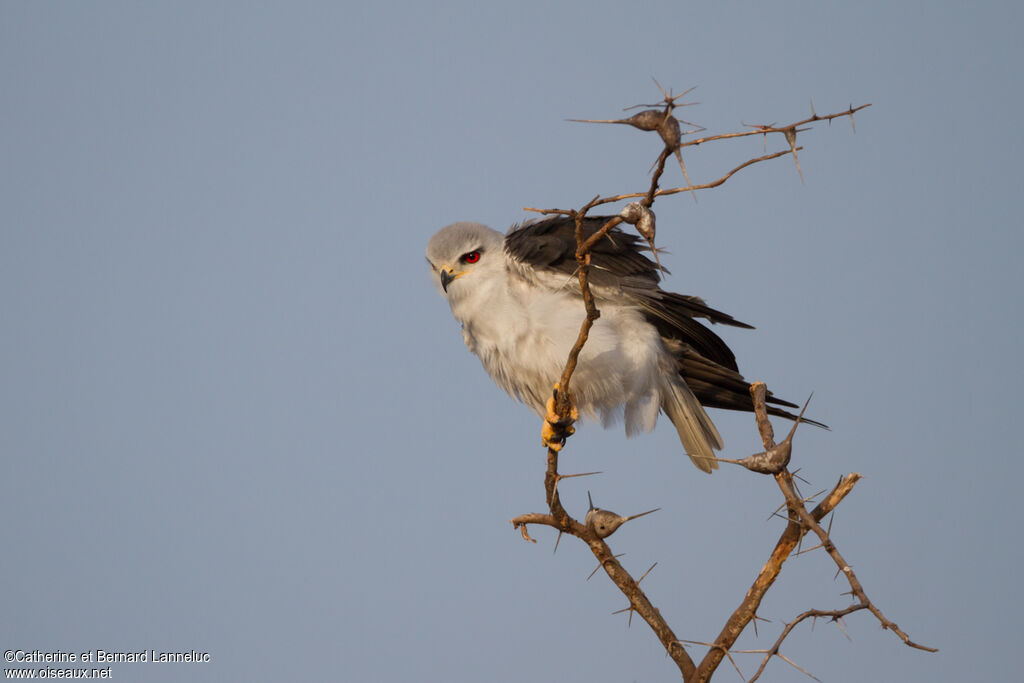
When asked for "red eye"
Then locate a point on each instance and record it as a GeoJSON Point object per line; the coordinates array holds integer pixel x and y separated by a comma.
{"type": "Point", "coordinates": [471, 257]}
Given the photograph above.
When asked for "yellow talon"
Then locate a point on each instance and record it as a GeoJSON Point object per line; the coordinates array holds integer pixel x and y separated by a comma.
{"type": "Point", "coordinates": [555, 430]}
{"type": "Point", "coordinates": [549, 439]}
{"type": "Point", "coordinates": [552, 416]}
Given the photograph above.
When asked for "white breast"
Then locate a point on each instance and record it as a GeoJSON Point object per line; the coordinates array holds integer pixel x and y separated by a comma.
{"type": "Point", "coordinates": [522, 332]}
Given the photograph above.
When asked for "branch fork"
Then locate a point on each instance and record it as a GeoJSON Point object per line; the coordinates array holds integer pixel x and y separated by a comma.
{"type": "Point", "coordinates": [773, 461]}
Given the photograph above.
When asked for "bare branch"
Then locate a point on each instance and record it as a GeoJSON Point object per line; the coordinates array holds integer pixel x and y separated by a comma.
{"type": "Point", "coordinates": [815, 613]}
{"type": "Point", "coordinates": [771, 128]}
{"type": "Point", "coordinates": [702, 186]}
{"type": "Point", "coordinates": [786, 484]}
{"type": "Point", "coordinates": [766, 577]}
{"type": "Point", "coordinates": [774, 460]}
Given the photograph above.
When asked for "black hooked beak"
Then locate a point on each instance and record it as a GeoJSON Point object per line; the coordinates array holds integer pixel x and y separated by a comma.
{"type": "Point", "coordinates": [446, 279]}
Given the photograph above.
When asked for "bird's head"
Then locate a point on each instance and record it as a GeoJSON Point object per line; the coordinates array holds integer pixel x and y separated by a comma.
{"type": "Point", "coordinates": [461, 249]}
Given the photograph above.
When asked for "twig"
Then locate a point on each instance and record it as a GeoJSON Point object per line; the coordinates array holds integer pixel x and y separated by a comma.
{"type": "Point", "coordinates": [815, 613]}
{"type": "Point", "coordinates": [766, 577]}
{"type": "Point", "coordinates": [799, 520]}
{"type": "Point", "coordinates": [702, 186]}
{"type": "Point", "coordinates": [771, 128]}
{"type": "Point", "coordinates": [786, 484]}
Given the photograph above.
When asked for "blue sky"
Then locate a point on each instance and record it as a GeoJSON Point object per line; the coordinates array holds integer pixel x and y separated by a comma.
{"type": "Point", "coordinates": [237, 417]}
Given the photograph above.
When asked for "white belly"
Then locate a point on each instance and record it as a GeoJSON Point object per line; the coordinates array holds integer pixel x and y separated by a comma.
{"type": "Point", "coordinates": [523, 338]}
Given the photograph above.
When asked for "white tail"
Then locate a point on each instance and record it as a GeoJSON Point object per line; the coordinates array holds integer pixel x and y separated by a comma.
{"type": "Point", "coordinates": [696, 431]}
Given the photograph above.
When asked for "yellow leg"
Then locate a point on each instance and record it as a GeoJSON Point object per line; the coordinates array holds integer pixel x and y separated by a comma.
{"type": "Point", "coordinates": [555, 430]}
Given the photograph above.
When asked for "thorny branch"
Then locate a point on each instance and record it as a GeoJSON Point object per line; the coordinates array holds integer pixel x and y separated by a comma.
{"type": "Point", "coordinates": [800, 520]}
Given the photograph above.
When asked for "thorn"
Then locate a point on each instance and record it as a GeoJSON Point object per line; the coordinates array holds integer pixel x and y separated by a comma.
{"type": "Point", "coordinates": [579, 474]}
{"type": "Point", "coordinates": [657, 261]}
{"type": "Point", "coordinates": [663, 93]}
{"type": "Point", "coordinates": [820, 545]}
{"type": "Point", "coordinates": [811, 498]}
{"type": "Point", "coordinates": [797, 666]}
{"type": "Point", "coordinates": [686, 175]}
{"type": "Point", "coordinates": [601, 564]}
{"type": "Point", "coordinates": [756, 619]}
{"type": "Point", "coordinates": [640, 515]}
{"type": "Point", "coordinates": [839, 623]}
{"type": "Point", "coordinates": [560, 477]}
{"type": "Point", "coordinates": [799, 419]}
{"type": "Point", "coordinates": [629, 609]}
{"type": "Point", "coordinates": [669, 100]}
{"type": "Point", "coordinates": [647, 572]}
{"type": "Point", "coordinates": [599, 120]}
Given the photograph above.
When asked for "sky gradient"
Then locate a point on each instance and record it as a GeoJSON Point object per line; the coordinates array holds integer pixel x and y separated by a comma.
{"type": "Point", "coordinates": [238, 418]}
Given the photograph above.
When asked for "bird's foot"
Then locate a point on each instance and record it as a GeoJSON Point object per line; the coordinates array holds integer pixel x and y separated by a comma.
{"type": "Point", "coordinates": [557, 429]}
{"type": "Point", "coordinates": [553, 435]}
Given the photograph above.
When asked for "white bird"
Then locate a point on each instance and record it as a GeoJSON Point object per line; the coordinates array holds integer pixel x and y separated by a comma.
{"type": "Point", "coordinates": [518, 299]}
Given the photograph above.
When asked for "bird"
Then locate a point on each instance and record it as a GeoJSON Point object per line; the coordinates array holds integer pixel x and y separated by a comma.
{"type": "Point", "coordinates": [518, 299]}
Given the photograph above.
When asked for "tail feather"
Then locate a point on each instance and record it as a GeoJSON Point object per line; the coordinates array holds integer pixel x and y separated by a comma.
{"type": "Point", "coordinates": [696, 431]}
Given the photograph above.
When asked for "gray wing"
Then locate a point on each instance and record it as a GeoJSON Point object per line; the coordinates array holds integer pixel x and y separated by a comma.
{"type": "Point", "coordinates": [551, 243]}
{"type": "Point", "coordinates": [618, 262]}
{"type": "Point", "coordinates": [705, 361]}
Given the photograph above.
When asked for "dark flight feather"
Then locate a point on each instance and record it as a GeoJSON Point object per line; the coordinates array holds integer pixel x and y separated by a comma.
{"type": "Point", "coordinates": [705, 361]}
